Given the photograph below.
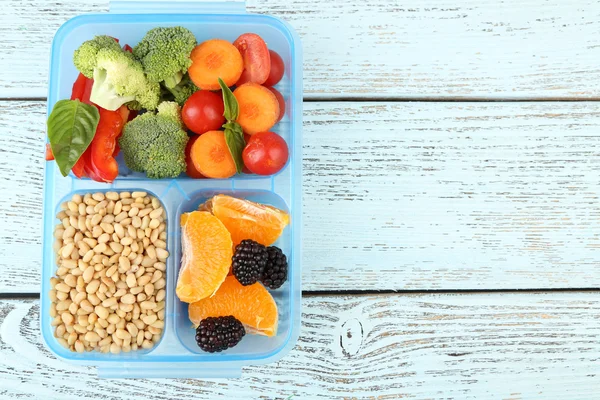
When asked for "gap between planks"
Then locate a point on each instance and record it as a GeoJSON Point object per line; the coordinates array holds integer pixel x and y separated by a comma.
{"type": "Point", "coordinates": [358, 293]}
{"type": "Point", "coordinates": [375, 98]}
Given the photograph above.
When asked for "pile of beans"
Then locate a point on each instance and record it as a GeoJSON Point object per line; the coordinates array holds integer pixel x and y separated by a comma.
{"type": "Point", "coordinates": [109, 290]}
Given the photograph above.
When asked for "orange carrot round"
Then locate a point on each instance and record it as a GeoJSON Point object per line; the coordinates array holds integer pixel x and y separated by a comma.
{"type": "Point", "coordinates": [211, 156]}
{"type": "Point", "coordinates": [214, 59]}
{"type": "Point", "coordinates": [259, 108]}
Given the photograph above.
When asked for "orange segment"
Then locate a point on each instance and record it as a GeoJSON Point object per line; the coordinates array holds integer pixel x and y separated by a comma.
{"type": "Point", "coordinates": [206, 256]}
{"type": "Point", "coordinates": [253, 305]}
{"type": "Point", "coordinates": [245, 219]}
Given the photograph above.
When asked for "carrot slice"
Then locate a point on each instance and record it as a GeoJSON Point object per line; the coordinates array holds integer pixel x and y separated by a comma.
{"type": "Point", "coordinates": [214, 59]}
{"type": "Point", "coordinates": [259, 108]}
{"type": "Point", "coordinates": [211, 156]}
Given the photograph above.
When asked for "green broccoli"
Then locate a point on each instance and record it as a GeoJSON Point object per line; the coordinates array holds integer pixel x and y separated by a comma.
{"type": "Point", "coordinates": [118, 77]}
{"type": "Point", "coordinates": [155, 143]}
{"type": "Point", "coordinates": [165, 54]}
{"type": "Point", "coordinates": [84, 57]}
{"type": "Point", "coordinates": [183, 90]}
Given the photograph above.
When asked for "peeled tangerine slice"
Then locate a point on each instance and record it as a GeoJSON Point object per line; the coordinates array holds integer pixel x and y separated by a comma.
{"type": "Point", "coordinates": [206, 256]}
{"type": "Point", "coordinates": [253, 305]}
{"type": "Point", "coordinates": [248, 220]}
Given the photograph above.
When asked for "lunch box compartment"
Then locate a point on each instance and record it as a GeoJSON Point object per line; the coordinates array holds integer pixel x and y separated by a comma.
{"type": "Point", "coordinates": [251, 345]}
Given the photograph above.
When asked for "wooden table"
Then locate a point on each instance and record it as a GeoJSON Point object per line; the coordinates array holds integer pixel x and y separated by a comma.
{"type": "Point", "coordinates": [451, 183]}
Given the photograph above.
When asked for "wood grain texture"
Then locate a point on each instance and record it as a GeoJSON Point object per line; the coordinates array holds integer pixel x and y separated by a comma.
{"type": "Point", "coordinates": [22, 138]}
{"type": "Point", "coordinates": [407, 196]}
{"type": "Point", "coordinates": [412, 49]}
{"type": "Point", "coordinates": [475, 346]}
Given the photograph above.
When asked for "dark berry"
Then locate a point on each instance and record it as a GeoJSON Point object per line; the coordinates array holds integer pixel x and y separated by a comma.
{"type": "Point", "coordinates": [275, 272]}
{"type": "Point", "coordinates": [216, 334]}
{"type": "Point", "coordinates": [249, 261]}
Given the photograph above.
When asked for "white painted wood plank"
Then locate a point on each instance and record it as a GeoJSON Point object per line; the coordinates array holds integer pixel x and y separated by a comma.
{"type": "Point", "coordinates": [419, 196]}
{"type": "Point", "coordinates": [476, 346]}
{"type": "Point", "coordinates": [426, 49]}
{"type": "Point", "coordinates": [22, 138]}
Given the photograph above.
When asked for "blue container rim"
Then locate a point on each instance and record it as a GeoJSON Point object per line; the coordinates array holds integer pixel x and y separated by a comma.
{"type": "Point", "coordinates": [234, 361]}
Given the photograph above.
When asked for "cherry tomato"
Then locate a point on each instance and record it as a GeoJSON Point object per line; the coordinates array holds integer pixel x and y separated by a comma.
{"type": "Point", "coordinates": [257, 62]}
{"type": "Point", "coordinates": [277, 69]}
{"type": "Point", "coordinates": [245, 170]}
{"type": "Point", "coordinates": [203, 112]}
{"type": "Point", "coordinates": [280, 100]}
{"type": "Point", "coordinates": [191, 170]}
{"type": "Point", "coordinates": [266, 153]}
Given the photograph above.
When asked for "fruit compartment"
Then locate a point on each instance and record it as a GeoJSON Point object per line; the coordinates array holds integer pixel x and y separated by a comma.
{"type": "Point", "coordinates": [257, 345]}
{"type": "Point", "coordinates": [277, 35]}
{"type": "Point", "coordinates": [175, 355]}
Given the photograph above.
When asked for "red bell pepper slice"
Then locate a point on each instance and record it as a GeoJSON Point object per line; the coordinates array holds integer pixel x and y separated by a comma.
{"type": "Point", "coordinates": [88, 168]}
{"type": "Point", "coordinates": [104, 143]}
{"type": "Point", "coordinates": [82, 89]}
{"type": "Point", "coordinates": [131, 114]}
{"type": "Point", "coordinates": [78, 87]}
{"type": "Point", "coordinates": [98, 161]}
{"type": "Point", "coordinates": [49, 155]}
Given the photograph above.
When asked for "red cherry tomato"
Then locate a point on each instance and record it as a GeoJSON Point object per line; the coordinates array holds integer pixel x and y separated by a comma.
{"type": "Point", "coordinates": [266, 153]}
{"type": "Point", "coordinates": [277, 69]}
{"type": "Point", "coordinates": [203, 112]}
{"type": "Point", "coordinates": [191, 170]}
{"type": "Point", "coordinates": [257, 62]}
{"type": "Point", "coordinates": [245, 170]}
{"type": "Point", "coordinates": [280, 100]}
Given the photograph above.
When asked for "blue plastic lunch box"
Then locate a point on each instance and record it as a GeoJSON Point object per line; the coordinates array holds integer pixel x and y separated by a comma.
{"type": "Point", "coordinates": [177, 355]}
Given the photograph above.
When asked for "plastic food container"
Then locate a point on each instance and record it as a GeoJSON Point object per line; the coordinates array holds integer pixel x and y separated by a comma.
{"type": "Point", "coordinates": [177, 355]}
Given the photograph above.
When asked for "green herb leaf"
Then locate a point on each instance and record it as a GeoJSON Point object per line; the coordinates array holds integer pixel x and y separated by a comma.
{"type": "Point", "coordinates": [232, 110]}
{"type": "Point", "coordinates": [71, 128]}
{"type": "Point", "coordinates": [234, 126]}
{"type": "Point", "coordinates": [234, 137]}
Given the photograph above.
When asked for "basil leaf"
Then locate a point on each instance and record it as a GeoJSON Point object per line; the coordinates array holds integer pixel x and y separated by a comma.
{"type": "Point", "coordinates": [71, 128]}
{"type": "Point", "coordinates": [232, 110]}
{"type": "Point", "coordinates": [234, 126]}
{"type": "Point", "coordinates": [234, 137]}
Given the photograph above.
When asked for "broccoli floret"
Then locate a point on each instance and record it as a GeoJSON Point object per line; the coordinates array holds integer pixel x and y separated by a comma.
{"type": "Point", "coordinates": [134, 105]}
{"type": "Point", "coordinates": [119, 78]}
{"type": "Point", "coordinates": [165, 54]}
{"type": "Point", "coordinates": [183, 90]}
{"type": "Point", "coordinates": [170, 109]}
{"type": "Point", "coordinates": [155, 143]}
{"type": "Point", "coordinates": [84, 57]}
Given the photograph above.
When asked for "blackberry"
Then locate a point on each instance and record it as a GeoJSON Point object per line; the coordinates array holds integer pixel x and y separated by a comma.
{"type": "Point", "coordinates": [275, 272]}
{"type": "Point", "coordinates": [249, 261]}
{"type": "Point", "coordinates": [216, 334]}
